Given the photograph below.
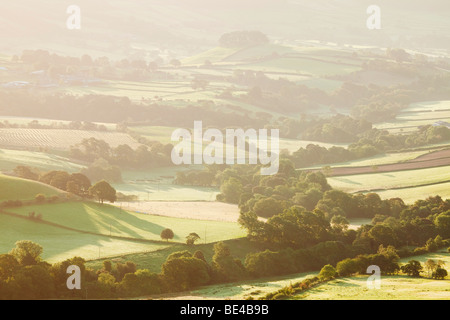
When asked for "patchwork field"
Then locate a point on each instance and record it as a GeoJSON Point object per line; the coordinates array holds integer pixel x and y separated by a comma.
{"type": "Point", "coordinates": [428, 160]}
{"type": "Point", "coordinates": [416, 115]}
{"type": "Point", "coordinates": [58, 139]}
{"type": "Point", "coordinates": [60, 244]}
{"type": "Point", "coordinates": [391, 180]}
{"type": "Point", "coordinates": [109, 220]}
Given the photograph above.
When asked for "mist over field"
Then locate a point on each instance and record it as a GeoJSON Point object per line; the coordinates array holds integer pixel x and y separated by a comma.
{"type": "Point", "coordinates": [239, 149]}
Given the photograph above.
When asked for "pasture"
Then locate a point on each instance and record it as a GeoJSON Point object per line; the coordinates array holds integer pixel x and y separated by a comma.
{"type": "Point", "coordinates": [410, 195]}
{"type": "Point", "coordinates": [12, 188]}
{"type": "Point", "coordinates": [391, 180]}
{"type": "Point", "coordinates": [10, 159]}
{"type": "Point", "coordinates": [109, 220]}
{"type": "Point", "coordinates": [240, 290]}
{"type": "Point", "coordinates": [416, 115]}
{"type": "Point", "coordinates": [198, 210]}
{"type": "Point", "coordinates": [392, 288]}
{"type": "Point", "coordinates": [60, 244]}
{"type": "Point", "coordinates": [157, 185]}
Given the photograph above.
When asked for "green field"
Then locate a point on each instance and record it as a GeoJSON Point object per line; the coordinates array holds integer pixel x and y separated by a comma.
{"type": "Point", "coordinates": [410, 195]}
{"type": "Point", "coordinates": [12, 188]}
{"type": "Point", "coordinates": [110, 220]}
{"type": "Point", "coordinates": [390, 180]}
{"type": "Point", "coordinates": [399, 287]}
{"type": "Point", "coordinates": [380, 159]}
{"type": "Point", "coordinates": [60, 244]}
{"type": "Point", "coordinates": [242, 290]}
{"type": "Point", "coordinates": [157, 185]}
{"type": "Point", "coordinates": [301, 65]}
{"type": "Point", "coordinates": [153, 260]}
{"type": "Point", "coordinates": [9, 159]}
{"type": "Point", "coordinates": [392, 288]}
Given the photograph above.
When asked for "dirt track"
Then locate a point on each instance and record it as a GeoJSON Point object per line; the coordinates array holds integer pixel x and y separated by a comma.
{"type": "Point", "coordinates": [430, 160]}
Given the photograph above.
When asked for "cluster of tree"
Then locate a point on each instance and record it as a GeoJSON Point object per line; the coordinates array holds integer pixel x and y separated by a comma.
{"type": "Point", "coordinates": [94, 151]}
{"type": "Point", "coordinates": [56, 66]}
{"type": "Point", "coordinates": [112, 109]}
{"type": "Point", "coordinates": [24, 275]}
{"type": "Point", "coordinates": [435, 269]}
{"type": "Point", "coordinates": [75, 183]}
{"type": "Point", "coordinates": [338, 128]}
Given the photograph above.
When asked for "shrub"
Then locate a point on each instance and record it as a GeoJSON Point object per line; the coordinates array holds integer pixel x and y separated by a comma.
{"type": "Point", "coordinates": [12, 203]}
{"type": "Point", "coordinates": [40, 198]}
{"type": "Point", "coordinates": [328, 272]}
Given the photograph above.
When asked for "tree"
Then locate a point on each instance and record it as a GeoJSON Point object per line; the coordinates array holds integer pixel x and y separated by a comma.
{"type": "Point", "coordinates": [27, 252]}
{"type": "Point", "coordinates": [440, 273]}
{"type": "Point", "coordinates": [412, 268]}
{"type": "Point", "coordinates": [8, 266]}
{"type": "Point", "coordinates": [167, 234]}
{"type": "Point", "coordinates": [431, 266]}
{"type": "Point", "coordinates": [191, 238]}
{"type": "Point", "coordinates": [40, 198]}
{"type": "Point", "coordinates": [185, 272]}
{"type": "Point", "coordinates": [442, 222]}
{"type": "Point", "coordinates": [103, 191]}
{"type": "Point", "coordinates": [78, 184]}
{"type": "Point", "coordinates": [347, 267]}
{"type": "Point", "coordinates": [328, 272]}
{"type": "Point", "coordinates": [224, 267]}
{"type": "Point", "coordinates": [231, 190]}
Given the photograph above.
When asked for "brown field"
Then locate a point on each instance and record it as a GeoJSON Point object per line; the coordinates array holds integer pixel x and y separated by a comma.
{"type": "Point", "coordinates": [430, 160]}
{"type": "Point", "coordinates": [58, 139]}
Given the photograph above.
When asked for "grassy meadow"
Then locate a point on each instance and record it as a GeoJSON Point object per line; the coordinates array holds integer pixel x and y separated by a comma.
{"type": "Point", "coordinates": [12, 188]}
{"type": "Point", "coordinates": [390, 180]}
{"type": "Point", "coordinates": [110, 220]}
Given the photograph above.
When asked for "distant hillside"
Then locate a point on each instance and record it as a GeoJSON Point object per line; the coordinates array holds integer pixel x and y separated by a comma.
{"type": "Point", "coordinates": [135, 28]}
{"type": "Point", "coordinates": [12, 188]}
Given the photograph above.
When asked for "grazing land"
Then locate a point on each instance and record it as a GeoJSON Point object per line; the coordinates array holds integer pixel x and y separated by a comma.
{"type": "Point", "coordinates": [12, 188]}
{"type": "Point", "coordinates": [110, 220]}
{"type": "Point", "coordinates": [58, 139]}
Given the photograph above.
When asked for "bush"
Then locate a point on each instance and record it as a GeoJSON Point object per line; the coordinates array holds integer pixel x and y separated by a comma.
{"type": "Point", "coordinates": [328, 272]}
{"type": "Point", "coordinates": [40, 198]}
{"type": "Point", "coordinates": [11, 203]}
